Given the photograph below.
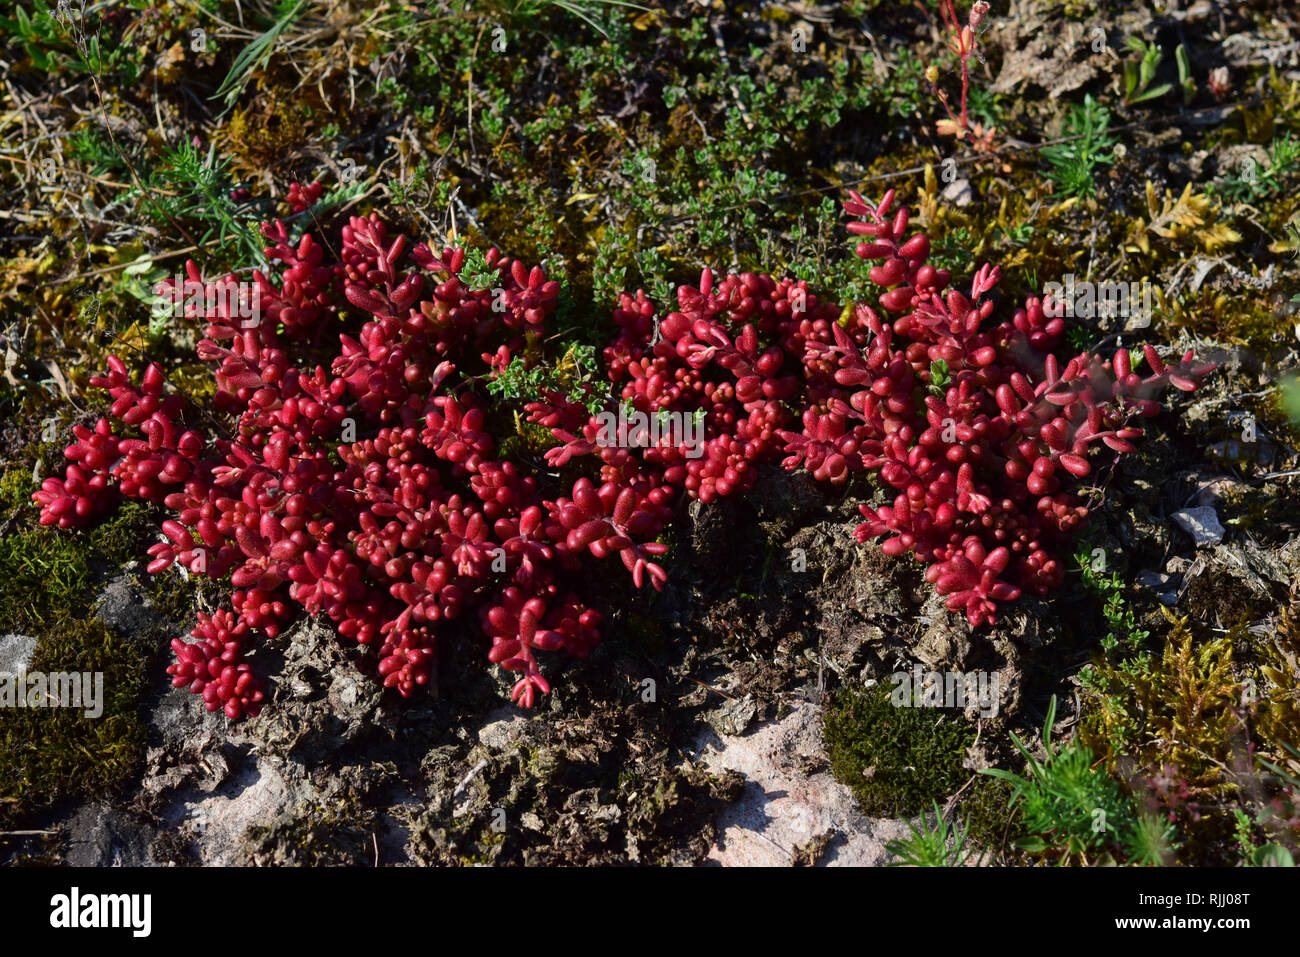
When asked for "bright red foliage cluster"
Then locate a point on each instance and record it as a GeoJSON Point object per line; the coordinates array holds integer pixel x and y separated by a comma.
{"type": "Point", "coordinates": [983, 468]}
{"type": "Point", "coordinates": [704, 359]}
{"type": "Point", "coordinates": [977, 424]}
{"type": "Point", "coordinates": [370, 488]}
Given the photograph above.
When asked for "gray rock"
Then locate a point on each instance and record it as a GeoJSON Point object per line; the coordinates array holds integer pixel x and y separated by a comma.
{"type": "Point", "coordinates": [1217, 488]}
{"type": "Point", "coordinates": [1202, 523]}
{"type": "Point", "coordinates": [15, 653]}
{"type": "Point", "coordinates": [123, 607]}
{"type": "Point", "coordinates": [958, 192]}
{"type": "Point", "coordinates": [504, 726]}
{"type": "Point", "coordinates": [1160, 583]}
{"type": "Point", "coordinates": [103, 836]}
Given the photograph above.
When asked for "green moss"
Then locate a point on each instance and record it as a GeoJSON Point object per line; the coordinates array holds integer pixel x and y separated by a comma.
{"type": "Point", "coordinates": [47, 571]}
{"type": "Point", "coordinates": [896, 760]}
{"type": "Point", "coordinates": [176, 598]}
{"type": "Point", "coordinates": [45, 574]}
{"type": "Point", "coordinates": [1179, 708]}
{"type": "Point", "coordinates": [530, 441]}
{"type": "Point", "coordinates": [124, 536]}
{"type": "Point", "coordinates": [17, 484]}
{"type": "Point", "coordinates": [542, 764]}
{"type": "Point", "coordinates": [50, 754]}
{"type": "Point", "coordinates": [986, 810]}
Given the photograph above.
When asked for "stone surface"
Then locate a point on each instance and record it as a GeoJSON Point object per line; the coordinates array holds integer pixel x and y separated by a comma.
{"type": "Point", "coordinates": [15, 653]}
{"type": "Point", "coordinates": [785, 806]}
{"type": "Point", "coordinates": [1201, 523]}
{"type": "Point", "coordinates": [124, 608]}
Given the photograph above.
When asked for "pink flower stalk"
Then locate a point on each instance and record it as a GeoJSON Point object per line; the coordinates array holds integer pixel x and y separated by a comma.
{"type": "Point", "coordinates": [963, 42]}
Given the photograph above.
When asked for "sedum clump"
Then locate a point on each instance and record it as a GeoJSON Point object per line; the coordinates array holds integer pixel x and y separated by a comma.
{"type": "Point", "coordinates": [351, 463]}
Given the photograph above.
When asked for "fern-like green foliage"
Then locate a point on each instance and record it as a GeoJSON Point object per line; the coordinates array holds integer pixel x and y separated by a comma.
{"type": "Point", "coordinates": [195, 186]}
{"type": "Point", "coordinates": [1191, 716]}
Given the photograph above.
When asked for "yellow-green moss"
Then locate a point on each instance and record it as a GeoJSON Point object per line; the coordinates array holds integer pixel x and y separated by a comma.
{"type": "Point", "coordinates": [993, 822]}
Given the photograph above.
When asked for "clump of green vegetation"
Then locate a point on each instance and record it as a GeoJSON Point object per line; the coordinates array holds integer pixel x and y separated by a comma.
{"type": "Point", "coordinates": [1207, 737]}
{"type": "Point", "coordinates": [177, 598]}
{"type": "Point", "coordinates": [20, 481]}
{"type": "Point", "coordinates": [1258, 855]}
{"type": "Point", "coordinates": [48, 574]}
{"type": "Point", "coordinates": [1075, 812]}
{"type": "Point", "coordinates": [1124, 635]}
{"type": "Point", "coordinates": [188, 185]}
{"type": "Point", "coordinates": [1179, 709]}
{"type": "Point", "coordinates": [575, 375]}
{"type": "Point", "coordinates": [50, 754]}
{"type": "Point", "coordinates": [993, 821]}
{"type": "Point", "coordinates": [1075, 161]}
{"type": "Point", "coordinates": [1276, 694]}
{"type": "Point", "coordinates": [122, 537]}
{"type": "Point", "coordinates": [940, 845]}
{"type": "Point", "coordinates": [896, 760]}
{"type": "Point", "coordinates": [1249, 183]}
{"type": "Point", "coordinates": [45, 573]}
{"type": "Point", "coordinates": [1139, 73]}
{"type": "Point", "coordinates": [46, 44]}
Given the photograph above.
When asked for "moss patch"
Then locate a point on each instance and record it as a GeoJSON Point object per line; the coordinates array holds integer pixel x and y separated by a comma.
{"type": "Point", "coordinates": [49, 754]}
{"type": "Point", "coordinates": [45, 574]}
{"type": "Point", "coordinates": [48, 572]}
{"type": "Point", "coordinates": [896, 760]}
{"type": "Point", "coordinates": [993, 823]}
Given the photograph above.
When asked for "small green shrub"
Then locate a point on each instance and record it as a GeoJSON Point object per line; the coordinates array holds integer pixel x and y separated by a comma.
{"type": "Point", "coordinates": [1076, 812]}
{"type": "Point", "coordinates": [943, 845]}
